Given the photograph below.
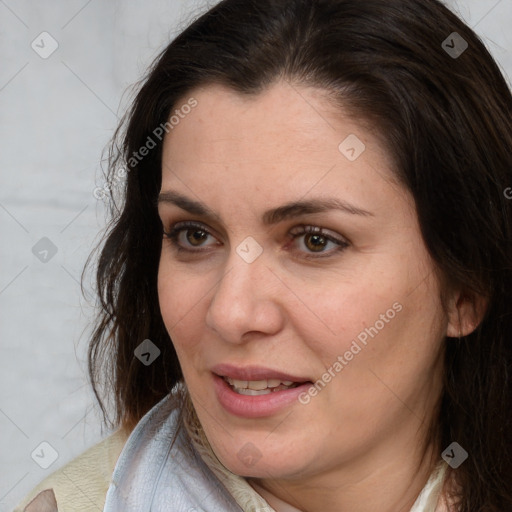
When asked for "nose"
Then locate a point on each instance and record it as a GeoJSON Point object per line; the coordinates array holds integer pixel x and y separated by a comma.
{"type": "Point", "coordinates": [246, 302]}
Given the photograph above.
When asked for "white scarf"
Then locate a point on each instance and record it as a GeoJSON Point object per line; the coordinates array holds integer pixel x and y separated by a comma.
{"type": "Point", "coordinates": [152, 476]}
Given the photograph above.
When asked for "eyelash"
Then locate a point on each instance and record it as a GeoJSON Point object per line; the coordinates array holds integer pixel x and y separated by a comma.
{"type": "Point", "coordinates": [294, 233]}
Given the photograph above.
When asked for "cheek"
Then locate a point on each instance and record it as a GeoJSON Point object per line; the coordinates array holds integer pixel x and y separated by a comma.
{"type": "Point", "coordinates": [181, 298]}
{"type": "Point", "coordinates": [352, 326]}
{"type": "Point", "coordinates": [387, 365]}
{"type": "Point", "coordinates": [331, 313]}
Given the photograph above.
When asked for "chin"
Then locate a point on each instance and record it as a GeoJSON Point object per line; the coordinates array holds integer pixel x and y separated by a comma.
{"type": "Point", "coordinates": [247, 460]}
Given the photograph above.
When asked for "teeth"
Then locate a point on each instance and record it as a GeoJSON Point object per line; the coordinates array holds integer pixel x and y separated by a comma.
{"type": "Point", "coordinates": [259, 387]}
{"type": "Point", "coordinates": [253, 392]}
{"type": "Point", "coordinates": [238, 383]}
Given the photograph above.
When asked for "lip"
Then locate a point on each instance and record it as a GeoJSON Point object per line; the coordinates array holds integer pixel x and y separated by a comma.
{"type": "Point", "coordinates": [254, 373]}
{"type": "Point", "coordinates": [260, 406]}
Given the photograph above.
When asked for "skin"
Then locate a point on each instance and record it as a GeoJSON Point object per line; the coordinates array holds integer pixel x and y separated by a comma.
{"type": "Point", "coordinates": [358, 445]}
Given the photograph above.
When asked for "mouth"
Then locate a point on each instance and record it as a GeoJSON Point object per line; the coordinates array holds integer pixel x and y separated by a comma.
{"type": "Point", "coordinates": [256, 392]}
{"type": "Point", "coordinates": [259, 387]}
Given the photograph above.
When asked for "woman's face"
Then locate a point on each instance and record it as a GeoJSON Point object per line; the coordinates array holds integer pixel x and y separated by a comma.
{"type": "Point", "coordinates": [302, 261]}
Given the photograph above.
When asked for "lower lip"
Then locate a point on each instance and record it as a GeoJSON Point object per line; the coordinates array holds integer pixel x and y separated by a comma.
{"type": "Point", "coordinates": [259, 406]}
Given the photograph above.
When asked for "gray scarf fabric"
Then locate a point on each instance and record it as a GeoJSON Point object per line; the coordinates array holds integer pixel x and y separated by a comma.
{"type": "Point", "coordinates": [154, 475]}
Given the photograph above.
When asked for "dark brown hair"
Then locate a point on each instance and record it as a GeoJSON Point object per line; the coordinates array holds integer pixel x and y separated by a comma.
{"type": "Point", "coordinates": [446, 122]}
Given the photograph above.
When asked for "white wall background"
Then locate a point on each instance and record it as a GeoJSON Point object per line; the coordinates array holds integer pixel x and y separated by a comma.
{"type": "Point", "coordinates": [56, 115]}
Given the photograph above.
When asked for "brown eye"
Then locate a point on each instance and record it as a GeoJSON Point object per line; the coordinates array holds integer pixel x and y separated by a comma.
{"type": "Point", "coordinates": [315, 243]}
{"type": "Point", "coordinates": [186, 236]}
{"type": "Point", "coordinates": [196, 236]}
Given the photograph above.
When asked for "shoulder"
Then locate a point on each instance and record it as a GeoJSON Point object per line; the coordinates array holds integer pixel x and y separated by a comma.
{"type": "Point", "coordinates": [80, 485]}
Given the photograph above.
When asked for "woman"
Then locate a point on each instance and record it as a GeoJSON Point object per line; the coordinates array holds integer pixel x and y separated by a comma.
{"type": "Point", "coordinates": [306, 290]}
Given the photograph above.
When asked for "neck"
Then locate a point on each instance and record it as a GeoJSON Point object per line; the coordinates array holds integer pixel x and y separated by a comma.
{"type": "Point", "coordinates": [388, 482]}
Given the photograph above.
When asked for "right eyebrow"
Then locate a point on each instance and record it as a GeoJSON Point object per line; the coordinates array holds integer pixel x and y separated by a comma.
{"type": "Point", "coordinates": [189, 205]}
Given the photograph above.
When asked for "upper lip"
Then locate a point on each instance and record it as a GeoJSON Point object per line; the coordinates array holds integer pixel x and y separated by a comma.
{"type": "Point", "coordinates": [254, 373]}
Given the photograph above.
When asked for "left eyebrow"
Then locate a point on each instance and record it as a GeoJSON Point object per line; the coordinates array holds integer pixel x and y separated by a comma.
{"type": "Point", "coordinates": [296, 208]}
{"type": "Point", "coordinates": [270, 217]}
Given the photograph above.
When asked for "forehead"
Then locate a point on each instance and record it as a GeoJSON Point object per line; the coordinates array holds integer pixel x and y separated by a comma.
{"type": "Point", "coordinates": [282, 115]}
{"type": "Point", "coordinates": [286, 138]}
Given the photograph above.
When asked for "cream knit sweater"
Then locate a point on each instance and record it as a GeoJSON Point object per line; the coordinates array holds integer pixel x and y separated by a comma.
{"type": "Point", "coordinates": [82, 484]}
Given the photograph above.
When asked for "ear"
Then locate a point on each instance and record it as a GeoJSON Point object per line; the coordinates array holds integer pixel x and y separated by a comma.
{"type": "Point", "coordinates": [465, 313]}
